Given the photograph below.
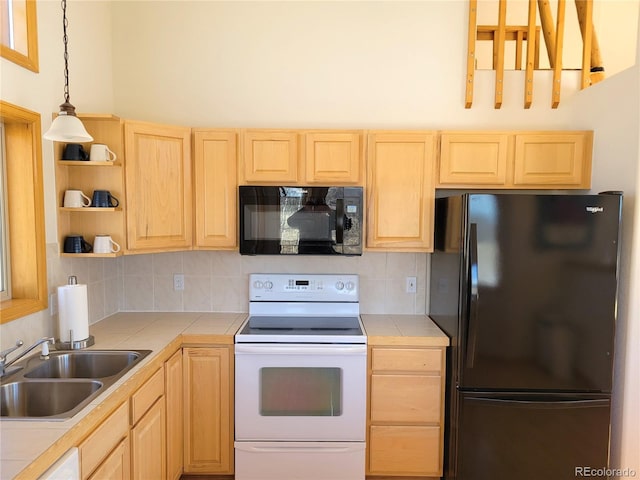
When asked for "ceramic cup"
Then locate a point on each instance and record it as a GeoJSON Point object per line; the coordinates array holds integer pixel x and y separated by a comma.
{"type": "Point", "coordinates": [105, 244]}
{"type": "Point", "coordinates": [74, 151]}
{"type": "Point", "coordinates": [101, 153]}
{"type": "Point", "coordinates": [75, 199]}
{"type": "Point", "coordinates": [103, 198]}
{"type": "Point", "coordinates": [76, 244]}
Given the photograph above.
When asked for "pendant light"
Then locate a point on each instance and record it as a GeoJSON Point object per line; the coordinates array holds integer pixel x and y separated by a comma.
{"type": "Point", "coordinates": [66, 127]}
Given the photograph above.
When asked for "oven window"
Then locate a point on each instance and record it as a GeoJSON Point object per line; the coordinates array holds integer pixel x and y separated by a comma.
{"type": "Point", "coordinates": [300, 391]}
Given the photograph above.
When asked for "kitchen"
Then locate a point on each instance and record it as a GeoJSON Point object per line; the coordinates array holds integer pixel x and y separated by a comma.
{"type": "Point", "coordinates": [284, 93]}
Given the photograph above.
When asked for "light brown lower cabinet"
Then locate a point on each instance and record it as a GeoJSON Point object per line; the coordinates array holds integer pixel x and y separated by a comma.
{"type": "Point", "coordinates": [98, 447]}
{"type": "Point", "coordinates": [175, 420]}
{"type": "Point", "coordinates": [148, 447]}
{"type": "Point", "coordinates": [208, 429]}
{"type": "Point", "coordinates": [148, 429]}
{"type": "Point", "coordinates": [406, 411]}
{"type": "Point", "coordinates": [117, 466]}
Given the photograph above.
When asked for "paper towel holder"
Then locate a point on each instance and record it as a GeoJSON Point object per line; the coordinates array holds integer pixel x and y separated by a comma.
{"type": "Point", "coordinates": [73, 344]}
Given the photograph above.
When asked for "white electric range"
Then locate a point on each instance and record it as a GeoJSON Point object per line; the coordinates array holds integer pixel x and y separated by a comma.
{"type": "Point", "coordinates": [300, 386]}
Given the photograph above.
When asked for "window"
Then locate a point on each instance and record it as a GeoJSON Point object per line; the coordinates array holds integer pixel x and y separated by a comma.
{"type": "Point", "coordinates": [24, 212]}
{"type": "Point", "coordinates": [5, 271]}
{"type": "Point", "coordinates": [18, 26]}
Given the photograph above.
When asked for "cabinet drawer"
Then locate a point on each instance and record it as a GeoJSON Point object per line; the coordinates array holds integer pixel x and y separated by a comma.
{"type": "Point", "coordinates": [406, 359]}
{"type": "Point", "coordinates": [104, 438]}
{"type": "Point", "coordinates": [146, 395]}
{"type": "Point", "coordinates": [405, 398]}
{"type": "Point", "coordinates": [405, 450]}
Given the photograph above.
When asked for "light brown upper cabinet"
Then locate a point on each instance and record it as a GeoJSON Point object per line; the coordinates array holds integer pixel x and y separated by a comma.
{"type": "Point", "coordinates": [553, 159]}
{"type": "Point", "coordinates": [216, 185]}
{"type": "Point", "coordinates": [515, 160]}
{"type": "Point", "coordinates": [269, 156]}
{"type": "Point", "coordinates": [333, 158]}
{"type": "Point", "coordinates": [158, 185]}
{"type": "Point", "coordinates": [300, 157]}
{"type": "Point", "coordinates": [400, 191]}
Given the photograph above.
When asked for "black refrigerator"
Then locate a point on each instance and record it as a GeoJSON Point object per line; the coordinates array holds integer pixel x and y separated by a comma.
{"type": "Point", "coordinates": [525, 286]}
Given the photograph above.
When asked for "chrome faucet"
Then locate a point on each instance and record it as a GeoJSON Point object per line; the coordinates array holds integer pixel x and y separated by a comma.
{"type": "Point", "coordinates": [4, 365]}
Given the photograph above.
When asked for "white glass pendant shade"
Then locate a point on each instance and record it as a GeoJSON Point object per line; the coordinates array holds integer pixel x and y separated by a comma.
{"type": "Point", "coordinates": [67, 128]}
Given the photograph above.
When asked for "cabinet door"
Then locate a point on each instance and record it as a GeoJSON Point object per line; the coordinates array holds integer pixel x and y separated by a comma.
{"type": "Point", "coordinates": [117, 466]}
{"type": "Point", "coordinates": [148, 447]}
{"type": "Point", "coordinates": [333, 158]}
{"type": "Point", "coordinates": [175, 415]}
{"type": "Point", "coordinates": [216, 188]}
{"type": "Point", "coordinates": [269, 156]}
{"type": "Point", "coordinates": [473, 159]}
{"type": "Point", "coordinates": [400, 191]}
{"type": "Point", "coordinates": [558, 159]}
{"type": "Point", "coordinates": [158, 185]}
{"type": "Point", "coordinates": [208, 415]}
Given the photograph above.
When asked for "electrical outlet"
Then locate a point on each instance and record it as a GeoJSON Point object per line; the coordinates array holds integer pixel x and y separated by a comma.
{"type": "Point", "coordinates": [178, 281]}
{"type": "Point", "coordinates": [411, 284]}
{"type": "Point", "coordinates": [53, 304]}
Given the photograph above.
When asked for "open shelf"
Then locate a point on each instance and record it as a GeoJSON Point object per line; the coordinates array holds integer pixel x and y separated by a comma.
{"type": "Point", "coordinates": [90, 209]}
{"type": "Point", "coordinates": [88, 163]}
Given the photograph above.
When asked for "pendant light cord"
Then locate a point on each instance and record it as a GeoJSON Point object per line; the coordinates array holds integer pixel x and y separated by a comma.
{"type": "Point", "coordinates": [65, 40]}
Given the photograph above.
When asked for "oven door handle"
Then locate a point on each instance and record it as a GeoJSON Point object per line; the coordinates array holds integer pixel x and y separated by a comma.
{"type": "Point", "coordinates": [288, 448]}
{"type": "Point", "coordinates": [325, 350]}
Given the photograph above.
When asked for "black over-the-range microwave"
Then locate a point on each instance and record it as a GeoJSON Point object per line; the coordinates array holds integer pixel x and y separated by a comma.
{"type": "Point", "coordinates": [300, 220]}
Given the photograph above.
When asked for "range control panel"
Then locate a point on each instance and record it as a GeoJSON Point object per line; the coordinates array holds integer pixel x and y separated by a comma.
{"type": "Point", "coordinates": [286, 287]}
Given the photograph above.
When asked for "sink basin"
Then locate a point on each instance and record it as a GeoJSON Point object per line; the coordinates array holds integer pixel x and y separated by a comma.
{"type": "Point", "coordinates": [87, 364]}
{"type": "Point", "coordinates": [37, 399]}
{"type": "Point", "coordinates": [58, 387]}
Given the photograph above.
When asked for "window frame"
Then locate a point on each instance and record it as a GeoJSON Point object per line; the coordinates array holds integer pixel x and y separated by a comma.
{"type": "Point", "coordinates": [5, 247]}
{"type": "Point", "coordinates": [25, 212]}
{"type": "Point", "coordinates": [28, 59]}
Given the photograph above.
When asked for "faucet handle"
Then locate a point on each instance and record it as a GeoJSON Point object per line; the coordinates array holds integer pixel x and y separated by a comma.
{"type": "Point", "coordinates": [4, 353]}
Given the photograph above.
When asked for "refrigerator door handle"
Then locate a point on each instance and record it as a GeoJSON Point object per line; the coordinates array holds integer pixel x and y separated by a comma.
{"type": "Point", "coordinates": [472, 328]}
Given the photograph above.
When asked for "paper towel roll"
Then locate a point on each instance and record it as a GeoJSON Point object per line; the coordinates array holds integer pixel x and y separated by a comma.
{"type": "Point", "coordinates": [73, 312]}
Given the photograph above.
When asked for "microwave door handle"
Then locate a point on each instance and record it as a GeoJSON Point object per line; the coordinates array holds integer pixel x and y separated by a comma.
{"type": "Point", "coordinates": [339, 221]}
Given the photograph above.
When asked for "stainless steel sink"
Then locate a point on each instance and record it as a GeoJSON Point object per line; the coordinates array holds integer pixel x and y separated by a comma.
{"type": "Point", "coordinates": [58, 387]}
{"type": "Point", "coordinates": [88, 364]}
{"type": "Point", "coordinates": [45, 398]}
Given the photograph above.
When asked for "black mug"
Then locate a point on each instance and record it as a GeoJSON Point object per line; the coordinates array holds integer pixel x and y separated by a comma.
{"type": "Point", "coordinates": [76, 244]}
{"type": "Point", "coordinates": [74, 151]}
{"type": "Point", "coordinates": [103, 198]}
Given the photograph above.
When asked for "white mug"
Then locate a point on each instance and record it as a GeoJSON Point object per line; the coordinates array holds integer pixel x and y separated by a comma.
{"type": "Point", "coordinates": [101, 153]}
{"type": "Point", "coordinates": [105, 244]}
{"type": "Point", "coordinates": [76, 199]}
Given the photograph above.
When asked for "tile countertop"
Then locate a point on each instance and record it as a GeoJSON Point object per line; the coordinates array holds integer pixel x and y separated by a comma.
{"type": "Point", "coordinates": [27, 448]}
{"type": "Point", "coordinates": [407, 330]}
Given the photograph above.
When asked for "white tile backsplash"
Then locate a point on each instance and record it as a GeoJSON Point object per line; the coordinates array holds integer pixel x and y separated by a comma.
{"type": "Point", "coordinates": [218, 280]}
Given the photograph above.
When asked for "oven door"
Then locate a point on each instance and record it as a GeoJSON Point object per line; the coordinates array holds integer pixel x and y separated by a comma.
{"type": "Point", "coordinates": [300, 392]}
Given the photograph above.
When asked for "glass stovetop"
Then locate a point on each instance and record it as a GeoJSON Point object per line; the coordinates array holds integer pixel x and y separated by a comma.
{"type": "Point", "coordinates": [293, 325]}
